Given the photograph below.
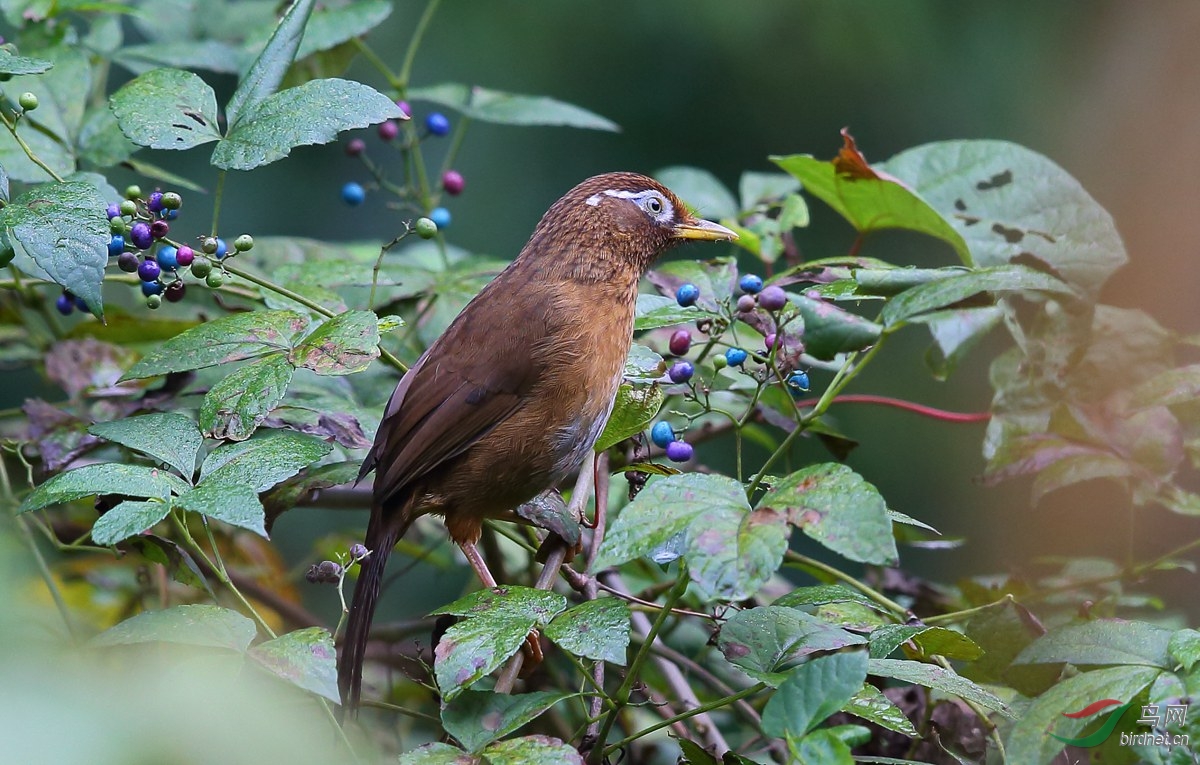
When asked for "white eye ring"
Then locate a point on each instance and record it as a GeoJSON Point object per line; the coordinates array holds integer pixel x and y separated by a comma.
{"type": "Point", "coordinates": [653, 205]}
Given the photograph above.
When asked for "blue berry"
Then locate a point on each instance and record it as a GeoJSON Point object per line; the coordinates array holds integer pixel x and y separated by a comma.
{"type": "Point", "coordinates": [662, 434]}
{"type": "Point", "coordinates": [772, 298]}
{"type": "Point", "coordinates": [440, 217]}
{"type": "Point", "coordinates": [116, 245]}
{"type": "Point", "coordinates": [168, 257]}
{"type": "Point", "coordinates": [148, 271]}
{"type": "Point", "coordinates": [81, 304]}
{"type": "Point", "coordinates": [222, 248]}
{"type": "Point", "coordinates": [113, 210]}
{"type": "Point", "coordinates": [735, 357]}
{"type": "Point", "coordinates": [154, 202]}
{"type": "Point", "coordinates": [797, 383]}
{"type": "Point", "coordinates": [139, 234]}
{"type": "Point", "coordinates": [169, 214]}
{"type": "Point", "coordinates": [353, 194]}
{"type": "Point", "coordinates": [437, 123]}
{"type": "Point", "coordinates": [151, 288]}
{"type": "Point", "coordinates": [65, 304]}
{"type": "Point", "coordinates": [751, 284]}
{"type": "Point", "coordinates": [679, 451]}
{"type": "Point", "coordinates": [687, 294]}
{"type": "Point", "coordinates": [681, 371]}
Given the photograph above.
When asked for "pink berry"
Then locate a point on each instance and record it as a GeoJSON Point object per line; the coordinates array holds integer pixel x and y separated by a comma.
{"type": "Point", "coordinates": [388, 130]}
{"type": "Point", "coordinates": [452, 182]}
{"type": "Point", "coordinates": [185, 256]}
{"type": "Point", "coordinates": [355, 147]}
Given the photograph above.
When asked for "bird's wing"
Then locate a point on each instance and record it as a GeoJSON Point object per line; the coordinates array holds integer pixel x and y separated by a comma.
{"type": "Point", "coordinates": [467, 383]}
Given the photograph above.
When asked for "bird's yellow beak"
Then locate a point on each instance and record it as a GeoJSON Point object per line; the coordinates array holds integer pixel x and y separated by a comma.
{"type": "Point", "coordinates": [703, 230]}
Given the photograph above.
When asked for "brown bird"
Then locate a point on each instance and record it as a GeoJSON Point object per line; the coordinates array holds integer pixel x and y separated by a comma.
{"type": "Point", "coordinates": [513, 395]}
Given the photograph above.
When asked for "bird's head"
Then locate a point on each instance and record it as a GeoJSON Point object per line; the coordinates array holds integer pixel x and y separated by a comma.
{"type": "Point", "coordinates": [618, 221]}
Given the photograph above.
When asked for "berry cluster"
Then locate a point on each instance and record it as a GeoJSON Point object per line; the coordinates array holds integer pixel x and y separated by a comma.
{"type": "Point", "coordinates": [332, 572]}
{"type": "Point", "coordinates": [435, 217]}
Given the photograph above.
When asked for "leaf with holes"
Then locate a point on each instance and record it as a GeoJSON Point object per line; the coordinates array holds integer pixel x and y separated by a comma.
{"type": "Point", "coordinates": [167, 109]}
{"type": "Point", "coordinates": [343, 345]}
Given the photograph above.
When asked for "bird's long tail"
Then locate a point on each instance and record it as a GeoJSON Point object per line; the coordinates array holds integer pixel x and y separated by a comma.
{"type": "Point", "coordinates": [383, 531]}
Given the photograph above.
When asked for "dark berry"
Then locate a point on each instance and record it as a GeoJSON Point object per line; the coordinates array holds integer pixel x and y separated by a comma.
{"type": "Point", "coordinates": [746, 303]}
{"type": "Point", "coordinates": [113, 210]}
{"type": "Point", "coordinates": [65, 304]}
{"type": "Point", "coordinates": [154, 202]}
{"type": "Point", "coordinates": [150, 288]}
{"type": "Point", "coordinates": [171, 201]}
{"type": "Point", "coordinates": [687, 294]}
{"type": "Point", "coordinates": [215, 279]}
{"type": "Point", "coordinates": [751, 284]}
{"type": "Point", "coordinates": [312, 576]}
{"type": "Point", "coordinates": [222, 248]}
{"type": "Point", "coordinates": [116, 245]}
{"type": "Point", "coordinates": [128, 262]}
{"type": "Point", "coordinates": [388, 130]}
{"type": "Point", "coordinates": [167, 257]}
{"type": "Point", "coordinates": [174, 291]}
{"type": "Point", "coordinates": [355, 146]}
{"type": "Point", "coordinates": [359, 551]}
{"type": "Point", "coordinates": [159, 229]}
{"type": "Point", "coordinates": [437, 123]}
{"type": "Point", "coordinates": [28, 101]}
{"type": "Point", "coordinates": [209, 245]}
{"type": "Point", "coordinates": [128, 207]}
{"type": "Point", "coordinates": [81, 304]}
{"type": "Point", "coordinates": [201, 267]}
{"type": "Point", "coordinates": [184, 256]}
{"type": "Point", "coordinates": [139, 234]}
{"type": "Point", "coordinates": [452, 182]}
{"type": "Point", "coordinates": [681, 341]}
{"type": "Point", "coordinates": [425, 228]}
{"type": "Point", "coordinates": [404, 107]}
{"type": "Point", "coordinates": [797, 382]}
{"type": "Point", "coordinates": [133, 192]}
{"type": "Point", "coordinates": [440, 217]}
{"type": "Point", "coordinates": [681, 371]}
{"type": "Point", "coordinates": [353, 194]}
{"type": "Point", "coordinates": [662, 434]}
{"type": "Point", "coordinates": [243, 243]}
{"type": "Point", "coordinates": [153, 302]}
{"type": "Point", "coordinates": [148, 271]}
{"type": "Point", "coordinates": [772, 298]}
{"type": "Point", "coordinates": [735, 357]}
{"type": "Point", "coordinates": [679, 451]}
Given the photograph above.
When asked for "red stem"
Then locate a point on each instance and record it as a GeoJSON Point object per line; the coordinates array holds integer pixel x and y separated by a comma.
{"type": "Point", "coordinates": [927, 411]}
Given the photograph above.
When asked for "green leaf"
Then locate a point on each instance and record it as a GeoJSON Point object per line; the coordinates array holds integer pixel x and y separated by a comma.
{"type": "Point", "coordinates": [62, 227]}
{"type": "Point", "coordinates": [62, 94]}
{"type": "Point", "coordinates": [169, 438]}
{"type": "Point", "coordinates": [233, 408]}
{"type": "Point", "coordinates": [305, 658]}
{"type": "Point", "coordinates": [343, 345]}
{"type": "Point", "coordinates": [836, 507]}
{"type": "Point", "coordinates": [821, 594]}
{"type": "Point", "coordinates": [870, 704]}
{"type": "Point", "coordinates": [12, 64]}
{"type": "Point", "coordinates": [101, 142]}
{"type": "Point", "coordinates": [700, 190]}
{"type": "Point", "coordinates": [127, 519]}
{"type": "Point", "coordinates": [930, 640]}
{"type": "Point", "coordinates": [654, 311]}
{"type": "Point", "coordinates": [716, 278]}
{"type": "Point", "coordinates": [532, 750]}
{"type": "Point", "coordinates": [829, 330]}
{"type": "Point", "coordinates": [643, 364]}
{"type": "Point", "coordinates": [196, 625]}
{"type": "Point", "coordinates": [634, 408]}
{"type": "Point", "coordinates": [731, 550]}
{"type": "Point", "coordinates": [101, 478]}
{"type": "Point", "coordinates": [938, 679]}
{"type": "Point", "coordinates": [946, 292]}
{"type": "Point", "coordinates": [477, 718]}
{"type": "Point", "coordinates": [540, 606]}
{"type": "Point", "coordinates": [813, 691]}
{"type": "Point", "coordinates": [312, 113]}
{"type": "Point", "coordinates": [235, 504]}
{"type": "Point", "coordinates": [757, 188]}
{"type": "Point", "coordinates": [437, 753]}
{"type": "Point", "coordinates": [548, 511]}
{"type": "Point", "coordinates": [167, 109]}
{"type": "Point", "coordinates": [1101, 641]}
{"type": "Point", "coordinates": [955, 332]}
{"type": "Point", "coordinates": [1028, 740]}
{"type": "Point", "coordinates": [1178, 385]}
{"type": "Point", "coordinates": [213, 55]}
{"type": "Point", "coordinates": [1184, 647]}
{"type": "Point", "coordinates": [1008, 202]}
{"type": "Point", "coordinates": [597, 629]}
{"type": "Point", "coordinates": [230, 338]}
{"type": "Point", "coordinates": [329, 27]}
{"type": "Point", "coordinates": [794, 213]}
{"type": "Point", "coordinates": [889, 637]}
{"type": "Point", "coordinates": [872, 204]}
{"type": "Point", "coordinates": [823, 747]}
{"type": "Point", "coordinates": [510, 108]}
{"type": "Point", "coordinates": [768, 642]}
{"type": "Point", "coordinates": [262, 462]}
{"type": "Point", "coordinates": [268, 70]}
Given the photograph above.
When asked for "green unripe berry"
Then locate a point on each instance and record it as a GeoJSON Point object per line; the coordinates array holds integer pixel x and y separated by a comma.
{"type": "Point", "coordinates": [133, 192]}
{"type": "Point", "coordinates": [720, 362]}
{"type": "Point", "coordinates": [28, 101]}
{"type": "Point", "coordinates": [215, 279]}
{"type": "Point", "coordinates": [129, 207]}
{"type": "Point", "coordinates": [153, 301]}
{"type": "Point", "coordinates": [171, 201]}
{"type": "Point", "coordinates": [243, 243]}
{"type": "Point", "coordinates": [201, 267]}
{"type": "Point", "coordinates": [425, 228]}
{"type": "Point", "coordinates": [117, 226]}
{"type": "Point", "coordinates": [209, 245]}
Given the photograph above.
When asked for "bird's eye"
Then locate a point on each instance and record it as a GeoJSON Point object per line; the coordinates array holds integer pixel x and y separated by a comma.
{"type": "Point", "coordinates": [653, 205]}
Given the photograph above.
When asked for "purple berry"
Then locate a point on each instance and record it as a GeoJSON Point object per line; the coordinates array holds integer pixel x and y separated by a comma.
{"type": "Point", "coordinates": [184, 256]}
{"type": "Point", "coordinates": [679, 451]}
{"type": "Point", "coordinates": [746, 304]}
{"type": "Point", "coordinates": [148, 271]}
{"type": "Point", "coordinates": [681, 371]}
{"type": "Point", "coordinates": [139, 234]}
{"type": "Point", "coordinates": [159, 229]}
{"type": "Point", "coordinates": [355, 147]}
{"type": "Point", "coordinates": [113, 210]}
{"type": "Point", "coordinates": [128, 262]}
{"type": "Point", "coordinates": [681, 341]}
{"type": "Point", "coordinates": [388, 130]}
{"type": "Point", "coordinates": [404, 107]}
{"type": "Point", "coordinates": [65, 304]}
{"type": "Point", "coordinates": [452, 182]}
{"type": "Point", "coordinates": [772, 298]}
{"type": "Point", "coordinates": [437, 123]}
{"type": "Point", "coordinates": [154, 202]}
{"type": "Point", "coordinates": [359, 551]}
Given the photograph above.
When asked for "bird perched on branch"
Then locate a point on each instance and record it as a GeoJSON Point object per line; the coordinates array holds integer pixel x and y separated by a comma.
{"type": "Point", "coordinates": [513, 395]}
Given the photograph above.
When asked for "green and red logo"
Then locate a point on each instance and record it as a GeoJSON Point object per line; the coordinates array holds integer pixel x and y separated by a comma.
{"type": "Point", "coordinates": [1104, 731]}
